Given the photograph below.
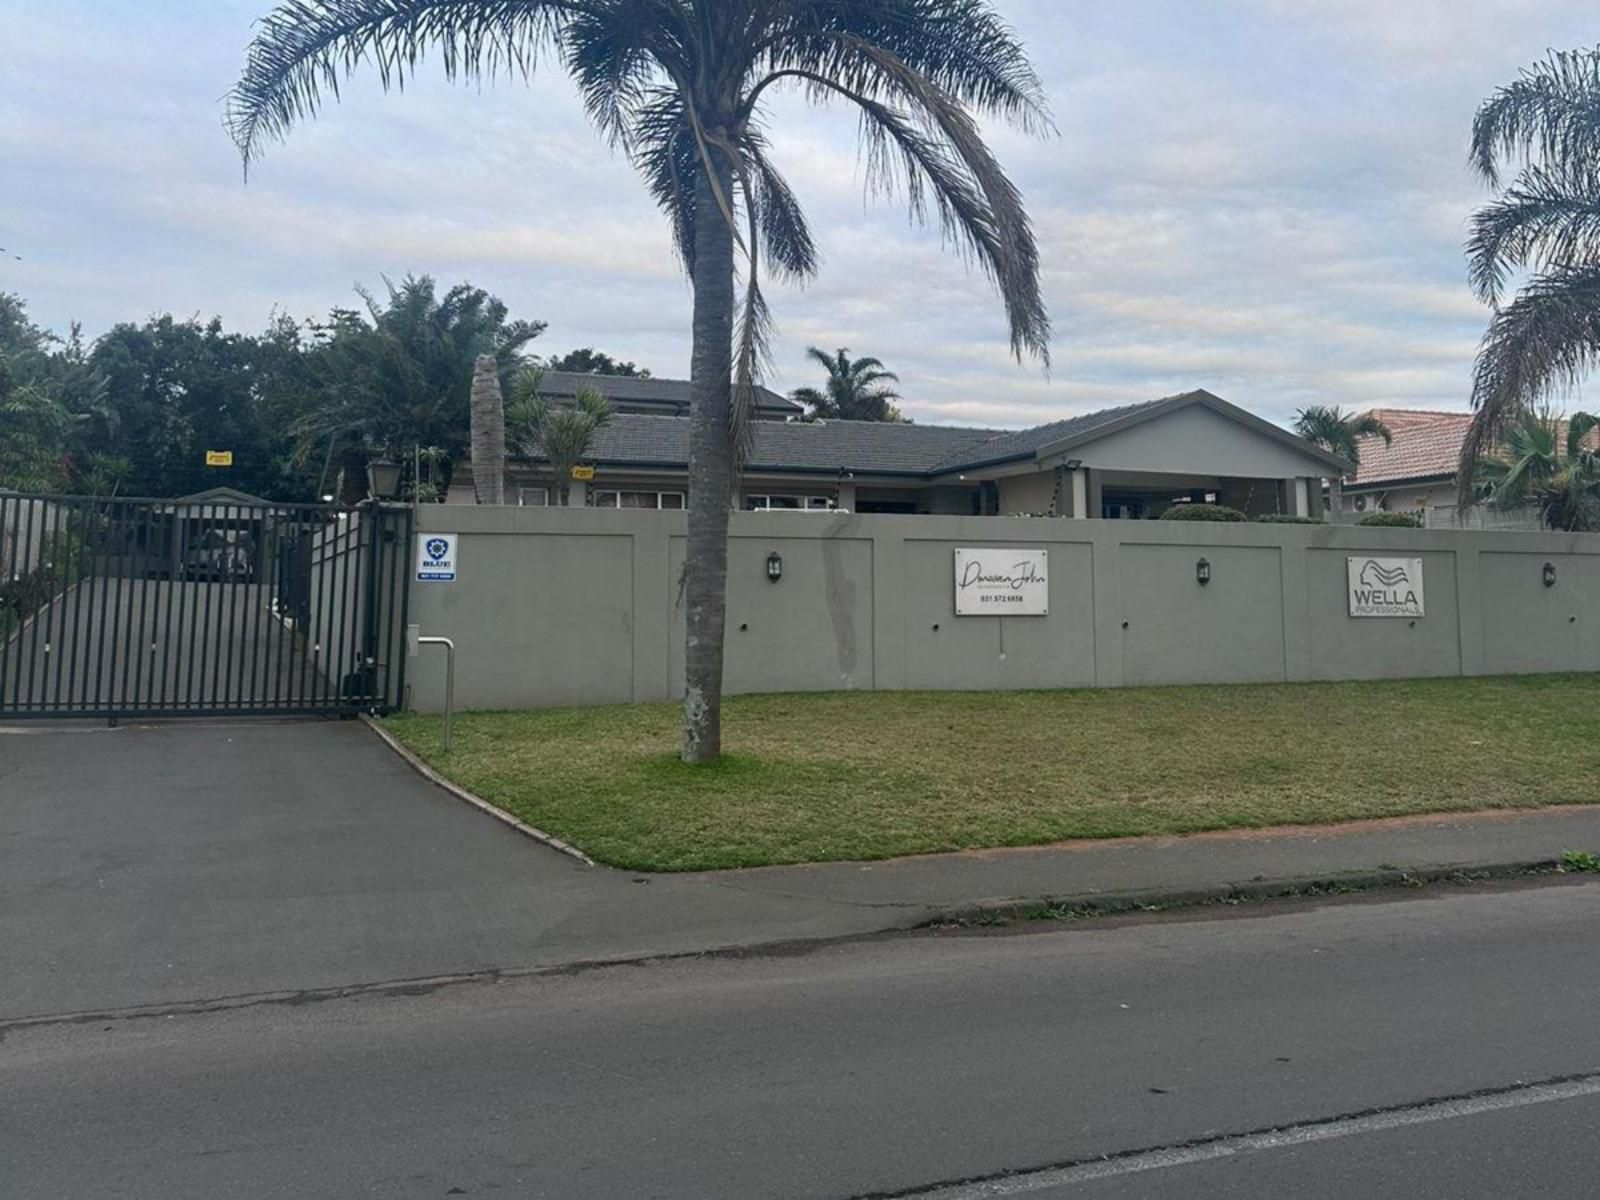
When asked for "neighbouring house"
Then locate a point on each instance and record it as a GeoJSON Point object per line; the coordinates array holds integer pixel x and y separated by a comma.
{"type": "Point", "coordinates": [1416, 473]}
{"type": "Point", "coordinates": [1129, 462]}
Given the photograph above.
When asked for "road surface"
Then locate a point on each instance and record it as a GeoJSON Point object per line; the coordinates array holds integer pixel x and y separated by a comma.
{"type": "Point", "coordinates": [1443, 1045]}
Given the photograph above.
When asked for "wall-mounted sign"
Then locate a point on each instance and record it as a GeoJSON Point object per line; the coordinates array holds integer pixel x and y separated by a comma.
{"type": "Point", "coordinates": [436, 558]}
{"type": "Point", "coordinates": [583, 473]}
{"type": "Point", "coordinates": [219, 458]}
{"type": "Point", "coordinates": [1002, 581]}
{"type": "Point", "coordinates": [1385, 587]}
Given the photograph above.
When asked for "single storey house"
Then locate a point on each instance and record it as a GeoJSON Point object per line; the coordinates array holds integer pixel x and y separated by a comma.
{"type": "Point", "coordinates": [1129, 462]}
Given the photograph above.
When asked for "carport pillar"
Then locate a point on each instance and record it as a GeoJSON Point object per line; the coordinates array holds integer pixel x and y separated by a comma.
{"type": "Point", "coordinates": [1080, 493]}
{"type": "Point", "coordinates": [1335, 502]}
{"type": "Point", "coordinates": [1296, 497]}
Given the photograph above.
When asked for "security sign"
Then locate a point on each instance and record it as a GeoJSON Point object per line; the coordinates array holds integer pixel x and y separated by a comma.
{"type": "Point", "coordinates": [436, 557]}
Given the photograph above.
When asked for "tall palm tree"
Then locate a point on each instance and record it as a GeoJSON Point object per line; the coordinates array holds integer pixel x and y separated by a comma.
{"type": "Point", "coordinates": [488, 432]}
{"type": "Point", "coordinates": [1339, 432]}
{"type": "Point", "coordinates": [1547, 464]}
{"type": "Point", "coordinates": [1546, 220]}
{"type": "Point", "coordinates": [854, 391]}
{"type": "Point", "coordinates": [561, 434]}
{"type": "Point", "coordinates": [680, 86]}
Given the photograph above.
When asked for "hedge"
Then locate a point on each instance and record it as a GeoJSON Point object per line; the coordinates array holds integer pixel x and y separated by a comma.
{"type": "Point", "coordinates": [1392, 520]}
{"type": "Point", "coordinates": [1286, 519]}
{"type": "Point", "coordinates": [1203, 512]}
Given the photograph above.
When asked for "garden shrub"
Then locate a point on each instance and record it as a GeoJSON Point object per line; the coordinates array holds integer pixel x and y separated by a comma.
{"type": "Point", "coordinates": [1202, 512]}
{"type": "Point", "coordinates": [1392, 520]}
{"type": "Point", "coordinates": [1286, 519]}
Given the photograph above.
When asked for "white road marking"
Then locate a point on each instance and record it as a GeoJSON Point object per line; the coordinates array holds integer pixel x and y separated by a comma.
{"type": "Point", "coordinates": [1275, 1139]}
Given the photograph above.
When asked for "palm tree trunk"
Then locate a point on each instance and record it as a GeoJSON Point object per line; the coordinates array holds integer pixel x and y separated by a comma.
{"type": "Point", "coordinates": [710, 471]}
{"type": "Point", "coordinates": [488, 420]}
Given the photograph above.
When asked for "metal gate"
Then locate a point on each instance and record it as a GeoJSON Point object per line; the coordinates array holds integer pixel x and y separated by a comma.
{"type": "Point", "coordinates": [114, 607]}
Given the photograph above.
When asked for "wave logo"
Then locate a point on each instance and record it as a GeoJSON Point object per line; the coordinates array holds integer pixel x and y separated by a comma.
{"type": "Point", "coordinates": [1375, 575]}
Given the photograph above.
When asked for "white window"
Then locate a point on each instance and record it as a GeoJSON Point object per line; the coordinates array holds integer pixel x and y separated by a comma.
{"type": "Point", "coordinates": [620, 499]}
{"type": "Point", "coordinates": [533, 497]}
{"type": "Point", "coordinates": [770, 503]}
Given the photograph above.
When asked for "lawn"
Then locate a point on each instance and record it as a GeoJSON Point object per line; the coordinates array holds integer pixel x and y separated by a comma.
{"type": "Point", "coordinates": [870, 775]}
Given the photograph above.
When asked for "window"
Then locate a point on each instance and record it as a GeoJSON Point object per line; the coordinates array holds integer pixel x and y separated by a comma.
{"type": "Point", "coordinates": [787, 503]}
{"type": "Point", "coordinates": [533, 497]}
{"type": "Point", "coordinates": [619, 499]}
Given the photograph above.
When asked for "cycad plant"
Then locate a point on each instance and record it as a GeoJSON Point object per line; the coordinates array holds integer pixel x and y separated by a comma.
{"type": "Point", "coordinates": [681, 87]}
{"type": "Point", "coordinates": [561, 434]}
{"type": "Point", "coordinates": [855, 389]}
{"type": "Point", "coordinates": [1339, 432]}
{"type": "Point", "coordinates": [1546, 220]}
{"type": "Point", "coordinates": [1549, 465]}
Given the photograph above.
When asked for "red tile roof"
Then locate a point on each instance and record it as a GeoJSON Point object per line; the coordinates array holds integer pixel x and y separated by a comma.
{"type": "Point", "coordinates": [1426, 445]}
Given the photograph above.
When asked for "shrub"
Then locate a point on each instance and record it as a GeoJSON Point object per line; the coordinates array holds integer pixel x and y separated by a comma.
{"type": "Point", "coordinates": [1202, 512]}
{"type": "Point", "coordinates": [1286, 519]}
{"type": "Point", "coordinates": [1392, 520]}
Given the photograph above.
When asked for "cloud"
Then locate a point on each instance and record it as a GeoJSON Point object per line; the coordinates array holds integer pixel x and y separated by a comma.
{"type": "Point", "coordinates": [1263, 197]}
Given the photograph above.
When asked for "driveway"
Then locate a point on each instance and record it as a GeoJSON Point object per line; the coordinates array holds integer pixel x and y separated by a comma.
{"type": "Point", "coordinates": [190, 862]}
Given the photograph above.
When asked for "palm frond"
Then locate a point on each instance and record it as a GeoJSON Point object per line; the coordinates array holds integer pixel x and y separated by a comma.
{"type": "Point", "coordinates": [306, 48]}
{"type": "Point", "coordinates": [1548, 216]}
{"type": "Point", "coordinates": [1551, 113]}
{"type": "Point", "coordinates": [1544, 342]}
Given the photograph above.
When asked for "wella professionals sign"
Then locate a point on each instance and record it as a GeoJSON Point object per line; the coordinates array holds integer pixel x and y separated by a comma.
{"type": "Point", "coordinates": [1002, 581]}
{"type": "Point", "coordinates": [1385, 587]}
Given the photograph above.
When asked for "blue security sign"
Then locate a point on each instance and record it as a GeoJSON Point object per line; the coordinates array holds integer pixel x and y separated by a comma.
{"type": "Point", "coordinates": [436, 558]}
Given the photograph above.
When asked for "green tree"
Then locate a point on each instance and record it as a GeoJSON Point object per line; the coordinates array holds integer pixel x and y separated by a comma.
{"type": "Point", "coordinates": [1549, 465]}
{"type": "Point", "coordinates": [589, 361]}
{"type": "Point", "coordinates": [1546, 220]}
{"type": "Point", "coordinates": [33, 436]}
{"type": "Point", "coordinates": [1338, 431]}
{"type": "Point", "coordinates": [561, 434]}
{"type": "Point", "coordinates": [398, 375]}
{"type": "Point", "coordinates": [854, 390]}
{"type": "Point", "coordinates": [679, 85]}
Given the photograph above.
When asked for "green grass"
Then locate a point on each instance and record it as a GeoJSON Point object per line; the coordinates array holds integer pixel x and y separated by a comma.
{"type": "Point", "coordinates": [867, 775]}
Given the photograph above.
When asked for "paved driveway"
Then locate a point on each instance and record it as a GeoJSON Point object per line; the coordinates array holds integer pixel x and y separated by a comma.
{"type": "Point", "coordinates": [181, 862]}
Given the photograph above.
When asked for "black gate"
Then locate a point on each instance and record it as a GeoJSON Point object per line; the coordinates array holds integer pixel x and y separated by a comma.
{"type": "Point", "coordinates": [112, 607]}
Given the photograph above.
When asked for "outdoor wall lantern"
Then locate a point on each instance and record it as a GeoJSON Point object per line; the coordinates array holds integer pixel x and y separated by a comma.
{"type": "Point", "coordinates": [383, 480]}
{"type": "Point", "coordinates": [774, 566]}
{"type": "Point", "coordinates": [1549, 574]}
{"type": "Point", "coordinates": [1202, 571]}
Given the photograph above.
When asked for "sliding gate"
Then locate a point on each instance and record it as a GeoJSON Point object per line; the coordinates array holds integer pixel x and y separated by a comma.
{"type": "Point", "coordinates": [115, 608]}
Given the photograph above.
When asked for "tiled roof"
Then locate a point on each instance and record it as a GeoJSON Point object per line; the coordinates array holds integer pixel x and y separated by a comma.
{"type": "Point", "coordinates": [867, 447]}
{"type": "Point", "coordinates": [861, 446]}
{"type": "Point", "coordinates": [1427, 445]}
{"type": "Point", "coordinates": [629, 389]}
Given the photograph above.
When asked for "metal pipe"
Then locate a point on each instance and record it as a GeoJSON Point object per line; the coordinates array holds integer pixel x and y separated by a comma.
{"type": "Point", "coordinates": [449, 680]}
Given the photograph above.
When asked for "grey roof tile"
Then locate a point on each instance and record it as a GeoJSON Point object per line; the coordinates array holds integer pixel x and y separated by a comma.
{"type": "Point", "coordinates": [625, 389]}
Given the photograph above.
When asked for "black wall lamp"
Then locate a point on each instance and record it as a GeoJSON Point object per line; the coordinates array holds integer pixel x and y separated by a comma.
{"type": "Point", "coordinates": [774, 566]}
{"type": "Point", "coordinates": [1549, 574]}
{"type": "Point", "coordinates": [1202, 571]}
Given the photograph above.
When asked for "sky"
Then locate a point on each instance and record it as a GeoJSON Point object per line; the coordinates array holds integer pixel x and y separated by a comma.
{"type": "Point", "coordinates": [1264, 198]}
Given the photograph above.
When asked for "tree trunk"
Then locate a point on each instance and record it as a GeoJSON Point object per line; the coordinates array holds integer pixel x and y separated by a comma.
{"type": "Point", "coordinates": [488, 432]}
{"type": "Point", "coordinates": [710, 470]}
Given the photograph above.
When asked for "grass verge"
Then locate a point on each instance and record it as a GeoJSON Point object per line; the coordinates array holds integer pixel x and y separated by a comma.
{"type": "Point", "coordinates": [871, 775]}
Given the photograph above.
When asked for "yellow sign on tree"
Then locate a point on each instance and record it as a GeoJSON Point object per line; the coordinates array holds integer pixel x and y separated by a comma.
{"type": "Point", "coordinates": [219, 458]}
{"type": "Point", "coordinates": [583, 473]}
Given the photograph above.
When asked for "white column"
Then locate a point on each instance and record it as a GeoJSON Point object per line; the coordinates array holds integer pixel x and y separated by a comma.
{"type": "Point", "coordinates": [1080, 494]}
{"type": "Point", "coordinates": [1302, 505]}
{"type": "Point", "coordinates": [847, 495]}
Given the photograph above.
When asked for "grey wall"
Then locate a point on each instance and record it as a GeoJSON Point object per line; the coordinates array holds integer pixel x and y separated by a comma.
{"type": "Point", "coordinates": [580, 606]}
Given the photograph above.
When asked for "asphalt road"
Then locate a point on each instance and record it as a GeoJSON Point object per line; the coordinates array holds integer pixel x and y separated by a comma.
{"type": "Point", "coordinates": [1400, 1047]}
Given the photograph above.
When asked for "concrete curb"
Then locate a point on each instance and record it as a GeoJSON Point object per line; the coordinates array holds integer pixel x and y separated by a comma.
{"type": "Point", "coordinates": [461, 793]}
{"type": "Point", "coordinates": [1158, 899]}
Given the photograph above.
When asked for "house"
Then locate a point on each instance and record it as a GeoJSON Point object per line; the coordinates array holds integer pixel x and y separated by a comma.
{"type": "Point", "coordinates": [1128, 462]}
{"type": "Point", "coordinates": [1416, 473]}
{"type": "Point", "coordinates": [653, 397]}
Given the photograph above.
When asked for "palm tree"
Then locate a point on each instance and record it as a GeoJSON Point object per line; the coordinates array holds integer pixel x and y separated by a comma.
{"type": "Point", "coordinates": [854, 391]}
{"type": "Point", "coordinates": [679, 86]}
{"type": "Point", "coordinates": [1338, 432]}
{"type": "Point", "coordinates": [1547, 464]}
{"type": "Point", "coordinates": [488, 432]}
{"type": "Point", "coordinates": [1546, 220]}
{"type": "Point", "coordinates": [558, 433]}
